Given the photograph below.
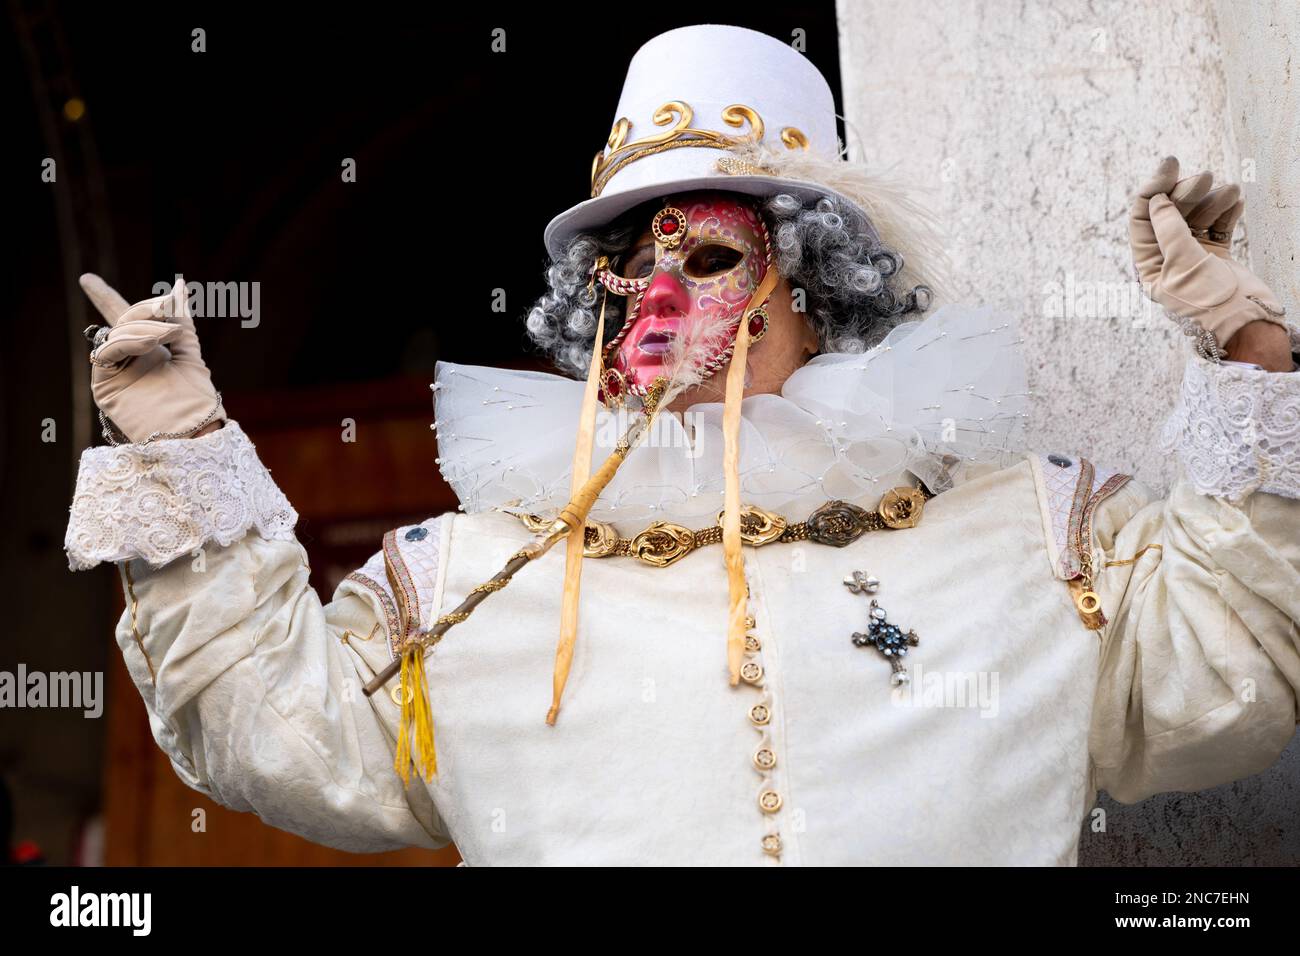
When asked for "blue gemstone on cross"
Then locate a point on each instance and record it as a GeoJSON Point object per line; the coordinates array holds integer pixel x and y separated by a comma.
{"type": "Point", "coordinates": [889, 639]}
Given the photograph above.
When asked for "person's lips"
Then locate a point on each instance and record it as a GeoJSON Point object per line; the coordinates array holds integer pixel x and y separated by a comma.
{"type": "Point", "coordinates": [657, 340]}
{"type": "Point", "coordinates": [655, 343]}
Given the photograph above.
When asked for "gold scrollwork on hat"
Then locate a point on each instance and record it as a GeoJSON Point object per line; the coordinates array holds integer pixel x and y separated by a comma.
{"type": "Point", "coordinates": [737, 115]}
{"type": "Point", "coordinates": [681, 133]}
{"type": "Point", "coordinates": [794, 138]}
{"type": "Point", "coordinates": [618, 135]}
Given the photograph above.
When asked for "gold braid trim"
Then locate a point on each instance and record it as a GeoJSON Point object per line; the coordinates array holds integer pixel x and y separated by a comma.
{"type": "Point", "coordinates": [1134, 559]}
{"type": "Point", "coordinates": [606, 174]}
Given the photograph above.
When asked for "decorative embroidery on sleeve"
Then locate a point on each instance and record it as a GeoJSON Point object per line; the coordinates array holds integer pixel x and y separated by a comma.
{"type": "Point", "coordinates": [160, 501]}
{"type": "Point", "coordinates": [413, 553]}
{"type": "Point", "coordinates": [1237, 430]}
{"type": "Point", "coordinates": [364, 577]}
{"type": "Point", "coordinates": [1073, 489]}
{"type": "Point", "coordinates": [1060, 474]}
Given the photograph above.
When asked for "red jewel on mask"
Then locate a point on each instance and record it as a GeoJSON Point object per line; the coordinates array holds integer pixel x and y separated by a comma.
{"type": "Point", "coordinates": [612, 388]}
{"type": "Point", "coordinates": [668, 226]}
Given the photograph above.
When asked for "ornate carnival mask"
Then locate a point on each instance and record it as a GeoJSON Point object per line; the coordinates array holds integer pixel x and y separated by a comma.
{"type": "Point", "coordinates": [689, 279]}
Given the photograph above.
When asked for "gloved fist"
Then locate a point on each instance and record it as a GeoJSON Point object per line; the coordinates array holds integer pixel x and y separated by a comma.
{"type": "Point", "coordinates": [147, 375]}
{"type": "Point", "coordinates": [1180, 231]}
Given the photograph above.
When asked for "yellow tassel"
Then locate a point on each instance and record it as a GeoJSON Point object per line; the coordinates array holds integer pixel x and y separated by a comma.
{"type": "Point", "coordinates": [415, 731]}
{"type": "Point", "coordinates": [577, 537]}
{"type": "Point", "coordinates": [415, 726]}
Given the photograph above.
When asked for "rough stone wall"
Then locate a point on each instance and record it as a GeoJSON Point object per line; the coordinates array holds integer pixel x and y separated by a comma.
{"type": "Point", "coordinates": [1026, 127]}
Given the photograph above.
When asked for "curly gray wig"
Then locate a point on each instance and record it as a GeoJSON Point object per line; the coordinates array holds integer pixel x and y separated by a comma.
{"type": "Point", "coordinates": [854, 290]}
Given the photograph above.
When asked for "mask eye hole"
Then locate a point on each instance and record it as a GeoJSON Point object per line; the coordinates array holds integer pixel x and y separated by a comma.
{"type": "Point", "coordinates": [639, 265]}
{"type": "Point", "coordinates": [711, 259]}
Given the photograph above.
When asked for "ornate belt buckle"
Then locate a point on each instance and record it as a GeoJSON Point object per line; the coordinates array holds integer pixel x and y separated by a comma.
{"type": "Point", "coordinates": [757, 526]}
{"type": "Point", "coordinates": [535, 524]}
{"type": "Point", "coordinates": [901, 507]}
{"type": "Point", "coordinates": [838, 524]}
{"type": "Point", "coordinates": [662, 543]}
{"type": "Point", "coordinates": [600, 540]}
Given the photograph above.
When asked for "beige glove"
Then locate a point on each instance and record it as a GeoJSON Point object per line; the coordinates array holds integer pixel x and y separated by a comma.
{"type": "Point", "coordinates": [147, 375]}
{"type": "Point", "coordinates": [1180, 232]}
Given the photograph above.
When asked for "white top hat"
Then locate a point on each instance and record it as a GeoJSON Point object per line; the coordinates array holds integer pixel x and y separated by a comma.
{"type": "Point", "coordinates": [691, 96]}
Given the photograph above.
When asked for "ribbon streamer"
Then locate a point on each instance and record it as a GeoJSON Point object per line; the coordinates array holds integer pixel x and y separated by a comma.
{"type": "Point", "coordinates": [731, 540]}
{"type": "Point", "coordinates": [586, 439]}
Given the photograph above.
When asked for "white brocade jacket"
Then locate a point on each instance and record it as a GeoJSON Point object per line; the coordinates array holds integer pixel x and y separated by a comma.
{"type": "Point", "coordinates": [1016, 714]}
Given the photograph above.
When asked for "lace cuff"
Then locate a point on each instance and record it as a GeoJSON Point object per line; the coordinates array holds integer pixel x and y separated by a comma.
{"type": "Point", "coordinates": [168, 498]}
{"type": "Point", "coordinates": [1237, 430]}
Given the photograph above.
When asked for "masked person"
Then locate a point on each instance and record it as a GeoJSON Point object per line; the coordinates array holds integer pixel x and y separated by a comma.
{"type": "Point", "coordinates": [810, 601]}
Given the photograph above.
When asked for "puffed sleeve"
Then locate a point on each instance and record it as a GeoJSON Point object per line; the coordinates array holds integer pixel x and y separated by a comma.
{"type": "Point", "coordinates": [253, 687]}
{"type": "Point", "coordinates": [1200, 658]}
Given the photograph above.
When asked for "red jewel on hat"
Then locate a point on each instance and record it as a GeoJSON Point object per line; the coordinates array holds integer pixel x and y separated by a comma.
{"type": "Point", "coordinates": [668, 225]}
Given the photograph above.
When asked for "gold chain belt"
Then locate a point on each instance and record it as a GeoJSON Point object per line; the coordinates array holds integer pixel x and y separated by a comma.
{"type": "Point", "coordinates": [836, 523]}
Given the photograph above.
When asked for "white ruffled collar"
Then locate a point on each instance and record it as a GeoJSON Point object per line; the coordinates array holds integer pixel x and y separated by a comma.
{"type": "Point", "coordinates": [935, 398]}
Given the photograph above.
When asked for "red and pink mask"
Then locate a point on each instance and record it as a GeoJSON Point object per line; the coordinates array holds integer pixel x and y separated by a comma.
{"type": "Point", "coordinates": [689, 287]}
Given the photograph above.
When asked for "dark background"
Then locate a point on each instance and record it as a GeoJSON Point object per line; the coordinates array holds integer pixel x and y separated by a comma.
{"type": "Point", "coordinates": [225, 166]}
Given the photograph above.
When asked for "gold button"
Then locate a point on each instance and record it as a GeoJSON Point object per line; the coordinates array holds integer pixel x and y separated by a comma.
{"type": "Point", "coordinates": [750, 622]}
{"type": "Point", "coordinates": [759, 714]}
{"type": "Point", "coordinates": [752, 644]}
{"type": "Point", "coordinates": [751, 673]}
{"type": "Point", "coordinates": [764, 759]}
{"type": "Point", "coordinates": [769, 801]}
{"type": "Point", "coordinates": [772, 844]}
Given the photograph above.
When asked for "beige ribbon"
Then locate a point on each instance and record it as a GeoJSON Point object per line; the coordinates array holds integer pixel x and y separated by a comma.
{"type": "Point", "coordinates": [731, 541]}
{"type": "Point", "coordinates": [577, 537]}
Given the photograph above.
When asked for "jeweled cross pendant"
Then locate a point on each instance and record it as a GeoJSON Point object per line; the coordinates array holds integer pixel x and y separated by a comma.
{"type": "Point", "coordinates": [889, 639]}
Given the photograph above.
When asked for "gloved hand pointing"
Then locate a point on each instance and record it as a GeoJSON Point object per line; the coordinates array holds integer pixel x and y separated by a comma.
{"type": "Point", "coordinates": [147, 373]}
